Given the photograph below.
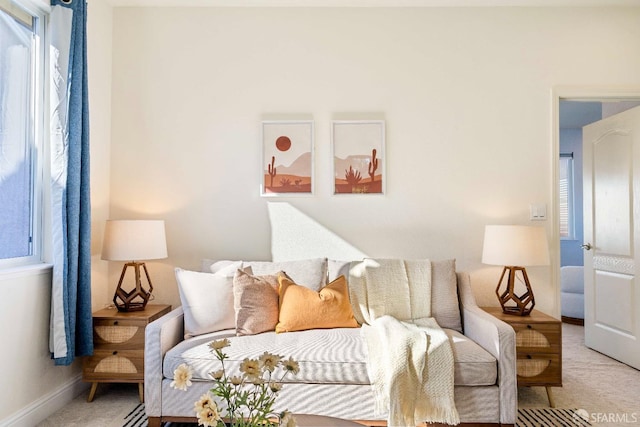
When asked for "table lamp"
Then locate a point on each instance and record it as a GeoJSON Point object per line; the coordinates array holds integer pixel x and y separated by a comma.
{"type": "Point", "coordinates": [134, 241]}
{"type": "Point", "coordinates": [515, 246]}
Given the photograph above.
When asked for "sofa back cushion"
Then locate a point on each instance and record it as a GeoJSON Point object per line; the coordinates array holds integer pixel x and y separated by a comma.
{"type": "Point", "coordinates": [311, 273]}
{"type": "Point", "coordinates": [207, 300]}
{"type": "Point", "coordinates": [337, 268]}
{"type": "Point", "coordinates": [445, 307]}
{"type": "Point", "coordinates": [302, 308]}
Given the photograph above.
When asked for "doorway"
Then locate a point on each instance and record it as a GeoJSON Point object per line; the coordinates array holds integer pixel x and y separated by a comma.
{"type": "Point", "coordinates": [575, 112]}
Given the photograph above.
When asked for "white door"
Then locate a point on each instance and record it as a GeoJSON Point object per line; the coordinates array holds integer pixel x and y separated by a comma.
{"type": "Point", "coordinates": [612, 235]}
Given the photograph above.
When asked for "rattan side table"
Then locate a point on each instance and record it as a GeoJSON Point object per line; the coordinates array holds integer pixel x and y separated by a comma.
{"type": "Point", "coordinates": [538, 348]}
{"type": "Point", "coordinates": [118, 339]}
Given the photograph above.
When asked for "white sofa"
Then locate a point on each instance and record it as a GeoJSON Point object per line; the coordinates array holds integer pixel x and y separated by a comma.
{"type": "Point", "coordinates": [333, 377]}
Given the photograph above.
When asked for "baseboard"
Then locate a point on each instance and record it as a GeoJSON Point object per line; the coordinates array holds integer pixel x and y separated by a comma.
{"type": "Point", "coordinates": [48, 404]}
{"type": "Point", "coordinates": [573, 320]}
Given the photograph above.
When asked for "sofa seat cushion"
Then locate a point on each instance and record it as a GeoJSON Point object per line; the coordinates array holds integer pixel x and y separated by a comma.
{"type": "Point", "coordinates": [473, 365]}
{"type": "Point", "coordinates": [325, 356]}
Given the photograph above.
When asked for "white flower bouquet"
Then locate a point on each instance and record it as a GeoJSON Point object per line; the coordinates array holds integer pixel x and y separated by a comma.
{"type": "Point", "coordinates": [249, 397]}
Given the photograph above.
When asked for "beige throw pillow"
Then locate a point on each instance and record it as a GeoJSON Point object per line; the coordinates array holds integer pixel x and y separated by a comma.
{"type": "Point", "coordinates": [255, 301]}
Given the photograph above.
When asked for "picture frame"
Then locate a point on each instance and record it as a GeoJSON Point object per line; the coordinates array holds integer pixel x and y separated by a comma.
{"type": "Point", "coordinates": [358, 148]}
{"type": "Point", "coordinates": [287, 158]}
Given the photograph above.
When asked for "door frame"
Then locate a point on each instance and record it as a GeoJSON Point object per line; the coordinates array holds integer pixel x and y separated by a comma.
{"type": "Point", "coordinates": [572, 93]}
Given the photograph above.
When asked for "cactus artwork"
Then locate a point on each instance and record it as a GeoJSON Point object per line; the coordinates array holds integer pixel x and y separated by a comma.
{"type": "Point", "coordinates": [287, 157]}
{"type": "Point", "coordinates": [358, 156]}
{"type": "Point", "coordinates": [353, 182]}
{"type": "Point", "coordinates": [285, 182]}
{"type": "Point", "coordinates": [373, 165]}
{"type": "Point", "coordinates": [352, 177]}
{"type": "Point", "coordinates": [272, 169]}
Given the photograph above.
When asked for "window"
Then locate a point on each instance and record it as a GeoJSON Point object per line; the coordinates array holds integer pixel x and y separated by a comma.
{"type": "Point", "coordinates": [567, 226]}
{"type": "Point", "coordinates": [21, 134]}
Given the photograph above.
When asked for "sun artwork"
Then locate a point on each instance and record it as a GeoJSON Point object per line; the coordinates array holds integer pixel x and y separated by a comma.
{"type": "Point", "coordinates": [283, 143]}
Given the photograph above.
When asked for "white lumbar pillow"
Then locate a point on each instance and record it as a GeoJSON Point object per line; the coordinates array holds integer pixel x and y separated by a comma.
{"type": "Point", "coordinates": [207, 300]}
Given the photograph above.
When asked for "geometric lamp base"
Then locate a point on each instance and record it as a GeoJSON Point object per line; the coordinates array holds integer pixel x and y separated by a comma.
{"type": "Point", "coordinates": [137, 298]}
{"type": "Point", "coordinates": [510, 300]}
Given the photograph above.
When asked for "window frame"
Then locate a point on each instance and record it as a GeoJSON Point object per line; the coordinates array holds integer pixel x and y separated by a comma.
{"type": "Point", "coordinates": [39, 149]}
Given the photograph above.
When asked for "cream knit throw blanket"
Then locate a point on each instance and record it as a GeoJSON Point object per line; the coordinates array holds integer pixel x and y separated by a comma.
{"type": "Point", "coordinates": [410, 361]}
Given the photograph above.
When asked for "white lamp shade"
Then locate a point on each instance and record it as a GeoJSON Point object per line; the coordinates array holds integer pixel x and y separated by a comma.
{"type": "Point", "coordinates": [134, 240]}
{"type": "Point", "coordinates": [515, 245]}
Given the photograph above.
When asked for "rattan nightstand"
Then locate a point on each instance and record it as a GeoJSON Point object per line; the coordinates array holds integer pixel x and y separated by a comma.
{"type": "Point", "coordinates": [538, 348]}
{"type": "Point", "coordinates": [118, 339]}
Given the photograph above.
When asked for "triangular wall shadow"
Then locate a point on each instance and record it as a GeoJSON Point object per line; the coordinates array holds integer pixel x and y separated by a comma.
{"type": "Point", "coordinates": [294, 235]}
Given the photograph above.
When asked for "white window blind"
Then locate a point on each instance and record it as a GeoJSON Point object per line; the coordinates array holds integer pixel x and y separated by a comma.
{"type": "Point", "coordinates": [566, 197]}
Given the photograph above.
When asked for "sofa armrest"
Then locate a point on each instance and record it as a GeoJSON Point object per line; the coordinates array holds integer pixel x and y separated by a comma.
{"type": "Point", "coordinates": [499, 339]}
{"type": "Point", "coordinates": [160, 336]}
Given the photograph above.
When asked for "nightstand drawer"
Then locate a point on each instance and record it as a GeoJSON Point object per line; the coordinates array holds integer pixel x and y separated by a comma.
{"type": "Point", "coordinates": [537, 337]}
{"type": "Point", "coordinates": [535, 369]}
{"type": "Point", "coordinates": [127, 364]}
{"type": "Point", "coordinates": [123, 333]}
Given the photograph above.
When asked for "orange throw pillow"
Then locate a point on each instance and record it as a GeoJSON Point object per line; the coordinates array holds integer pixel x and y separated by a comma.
{"type": "Point", "coordinates": [302, 308]}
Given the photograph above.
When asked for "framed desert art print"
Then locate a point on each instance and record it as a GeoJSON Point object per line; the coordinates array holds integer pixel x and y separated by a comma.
{"type": "Point", "coordinates": [287, 158]}
{"type": "Point", "coordinates": [358, 156]}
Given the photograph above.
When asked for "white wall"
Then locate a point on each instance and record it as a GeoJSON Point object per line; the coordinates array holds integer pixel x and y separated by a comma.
{"type": "Point", "coordinates": [25, 361]}
{"type": "Point", "coordinates": [35, 387]}
{"type": "Point", "coordinates": [466, 95]}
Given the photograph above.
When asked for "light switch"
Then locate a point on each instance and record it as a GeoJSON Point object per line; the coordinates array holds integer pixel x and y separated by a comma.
{"type": "Point", "coordinates": [538, 212]}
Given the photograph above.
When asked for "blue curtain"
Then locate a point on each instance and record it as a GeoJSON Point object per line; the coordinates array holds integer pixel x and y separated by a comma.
{"type": "Point", "coordinates": [71, 320]}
